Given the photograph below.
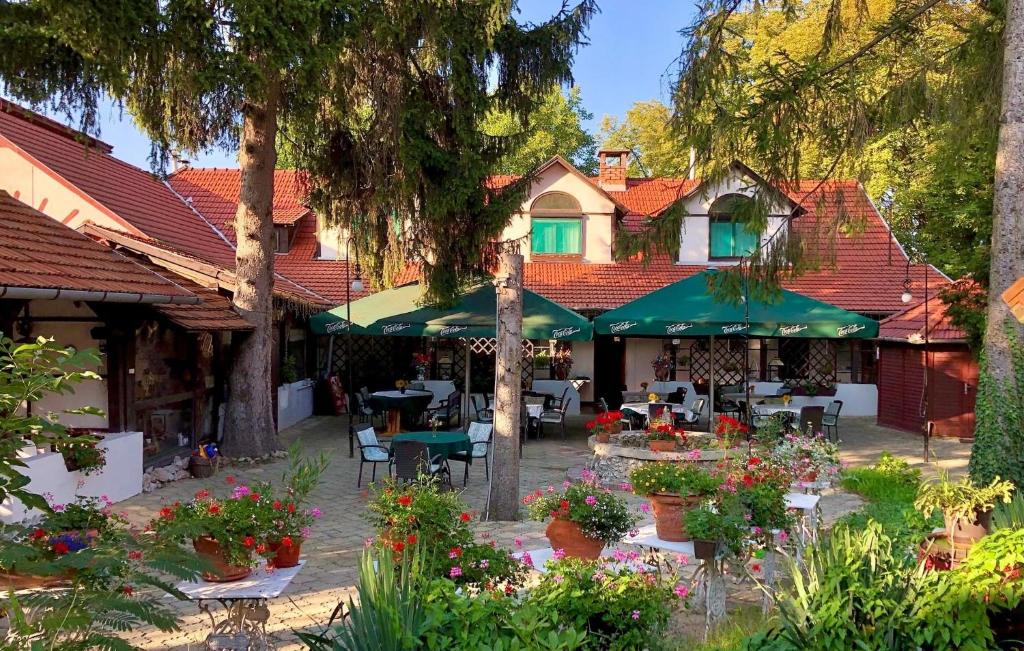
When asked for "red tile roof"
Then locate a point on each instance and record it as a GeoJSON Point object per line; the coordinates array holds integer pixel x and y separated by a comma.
{"type": "Point", "coordinates": [909, 325]}
{"type": "Point", "coordinates": [39, 252]}
{"type": "Point", "coordinates": [214, 313]}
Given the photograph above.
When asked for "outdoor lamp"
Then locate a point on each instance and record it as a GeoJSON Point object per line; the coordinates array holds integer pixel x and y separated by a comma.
{"type": "Point", "coordinates": [907, 296]}
{"type": "Point", "coordinates": [357, 282]}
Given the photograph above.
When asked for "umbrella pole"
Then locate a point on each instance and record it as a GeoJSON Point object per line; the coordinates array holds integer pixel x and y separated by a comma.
{"type": "Point", "coordinates": [465, 396]}
{"type": "Point", "coordinates": [711, 388]}
{"type": "Point", "coordinates": [330, 357]}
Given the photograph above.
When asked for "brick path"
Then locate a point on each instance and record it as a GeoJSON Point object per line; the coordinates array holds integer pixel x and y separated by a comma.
{"type": "Point", "coordinates": [333, 552]}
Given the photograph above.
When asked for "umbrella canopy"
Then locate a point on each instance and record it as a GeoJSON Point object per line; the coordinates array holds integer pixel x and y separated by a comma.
{"type": "Point", "coordinates": [687, 309]}
{"type": "Point", "coordinates": [397, 312]}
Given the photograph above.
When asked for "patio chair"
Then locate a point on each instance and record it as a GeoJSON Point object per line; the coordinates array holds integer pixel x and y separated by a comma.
{"type": "Point", "coordinates": [558, 403]}
{"type": "Point", "coordinates": [480, 436]}
{"type": "Point", "coordinates": [365, 412]}
{"type": "Point", "coordinates": [602, 406]}
{"type": "Point", "coordinates": [448, 411]}
{"type": "Point", "coordinates": [526, 424]}
{"type": "Point", "coordinates": [371, 451]}
{"type": "Point", "coordinates": [728, 408]}
{"type": "Point", "coordinates": [411, 459]}
{"type": "Point", "coordinates": [677, 396]}
{"type": "Point", "coordinates": [364, 391]}
{"type": "Point", "coordinates": [810, 417]}
{"type": "Point", "coordinates": [483, 414]}
{"type": "Point", "coordinates": [830, 420]}
{"type": "Point", "coordinates": [551, 417]}
{"type": "Point", "coordinates": [681, 420]}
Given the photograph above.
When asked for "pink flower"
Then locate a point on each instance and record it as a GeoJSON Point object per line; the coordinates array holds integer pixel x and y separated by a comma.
{"type": "Point", "coordinates": [587, 475]}
{"type": "Point", "coordinates": [783, 536]}
{"type": "Point", "coordinates": [517, 541]}
{"type": "Point", "coordinates": [566, 484]}
{"type": "Point", "coordinates": [527, 560]}
{"type": "Point", "coordinates": [599, 576]}
{"type": "Point", "coordinates": [240, 491]}
{"type": "Point", "coordinates": [315, 512]}
{"type": "Point", "coordinates": [484, 563]}
{"type": "Point", "coordinates": [590, 500]}
{"type": "Point", "coordinates": [619, 555]}
{"type": "Point", "coordinates": [681, 591]}
{"type": "Point", "coordinates": [693, 455]}
{"type": "Point", "coordinates": [682, 559]}
{"type": "Point", "coordinates": [551, 489]}
{"type": "Point", "coordinates": [559, 554]}
{"type": "Point", "coordinates": [758, 531]}
{"type": "Point", "coordinates": [306, 531]}
{"type": "Point", "coordinates": [635, 615]}
{"type": "Point", "coordinates": [368, 542]}
{"type": "Point", "coordinates": [455, 571]}
{"type": "Point", "coordinates": [633, 533]}
{"type": "Point", "coordinates": [645, 507]}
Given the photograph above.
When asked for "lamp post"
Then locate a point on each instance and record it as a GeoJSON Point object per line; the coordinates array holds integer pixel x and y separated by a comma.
{"type": "Point", "coordinates": [351, 285]}
{"type": "Point", "coordinates": [925, 407]}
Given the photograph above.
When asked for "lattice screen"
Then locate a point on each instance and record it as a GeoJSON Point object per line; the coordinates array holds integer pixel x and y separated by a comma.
{"type": "Point", "coordinates": [812, 359]}
{"type": "Point", "coordinates": [728, 362]}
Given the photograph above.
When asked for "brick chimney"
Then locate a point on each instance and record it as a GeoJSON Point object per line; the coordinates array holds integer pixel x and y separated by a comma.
{"type": "Point", "coordinates": [612, 171]}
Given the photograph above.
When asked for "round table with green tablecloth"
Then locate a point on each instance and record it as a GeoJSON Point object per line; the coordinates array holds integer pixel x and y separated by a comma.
{"type": "Point", "coordinates": [401, 405]}
{"type": "Point", "coordinates": [443, 443]}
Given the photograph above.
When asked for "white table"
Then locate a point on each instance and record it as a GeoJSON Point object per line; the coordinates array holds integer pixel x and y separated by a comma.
{"type": "Point", "coordinates": [769, 410]}
{"type": "Point", "coordinates": [807, 504]}
{"type": "Point", "coordinates": [245, 604]}
{"type": "Point", "coordinates": [645, 407]}
{"type": "Point", "coordinates": [647, 536]}
{"type": "Point", "coordinates": [534, 410]}
{"type": "Point", "coordinates": [540, 557]}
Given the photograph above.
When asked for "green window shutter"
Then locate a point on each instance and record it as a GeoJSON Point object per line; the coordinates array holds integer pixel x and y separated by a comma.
{"type": "Point", "coordinates": [722, 240]}
{"type": "Point", "coordinates": [558, 236]}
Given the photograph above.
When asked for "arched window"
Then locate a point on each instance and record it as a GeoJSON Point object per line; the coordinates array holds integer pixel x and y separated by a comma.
{"type": "Point", "coordinates": [556, 225]}
{"type": "Point", "coordinates": [729, 237]}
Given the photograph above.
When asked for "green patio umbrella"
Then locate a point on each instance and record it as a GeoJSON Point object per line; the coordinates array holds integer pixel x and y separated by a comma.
{"type": "Point", "coordinates": [397, 312]}
{"type": "Point", "coordinates": [686, 309]}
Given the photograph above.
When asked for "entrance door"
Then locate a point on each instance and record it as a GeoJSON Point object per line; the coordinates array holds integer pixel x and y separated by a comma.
{"type": "Point", "coordinates": [952, 387]}
{"type": "Point", "coordinates": [609, 369]}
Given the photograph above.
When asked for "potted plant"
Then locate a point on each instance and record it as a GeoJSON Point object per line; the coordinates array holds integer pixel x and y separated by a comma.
{"type": "Point", "coordinates": [966, 507]}
{"type": "Point", "coordinates": [584, 517]}
{"type": "Point", "coordinates": [421, 361]}
{"type": "Point", "coordinates": [401, 385]}
{"type": "Point", "coordinates": [561, 362]}
{"type": "Point", "coordinates": [662, 365]}
{"type": "Point", "coordinates": [81, 453]}
{"type": "Point", "coordinates": [673, 489]}
{"type": "Point", "coordinates": [729, 431]}
{"type": "Point", "coordinates": [717, 527]}
{"type": "Point", "coordinates": [604, 425]}
{"type": "Point", "coordinates": [662, 437]}
{"type": "Point", "coordinates": [291, 518]}
{"type": "Point", "coordinates": [808, 458]}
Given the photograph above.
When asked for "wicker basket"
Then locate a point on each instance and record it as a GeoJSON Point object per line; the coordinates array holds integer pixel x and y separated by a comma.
{"type": "Point", "coordinates": [202, 467]}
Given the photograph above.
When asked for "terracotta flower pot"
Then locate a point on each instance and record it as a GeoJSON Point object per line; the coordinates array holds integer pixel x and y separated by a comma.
{"type": "Point", "coordinates": [669, 512]}
{"type": "Point", "coordinates": [662, 446]}
{"type": "Point", "coordinates": [603, 437]}
{"type": "Point", "coordinates": [809, 476]}
{"type": "Point", "coordinates": [567, 536]}
{"type": "Point", "coordinates": [705, 550]}
{"type": "Point", "coordinates": [615, 428]}
{"type": "Point", "coordinates": [965, 531]}
{"type": "Point", "coordinates": [285, 555]}
{"type": "Point", "coordinates": [223, 571]}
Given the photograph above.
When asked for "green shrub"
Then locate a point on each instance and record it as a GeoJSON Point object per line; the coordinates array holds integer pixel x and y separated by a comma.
{"type": "Point", "coordinates": [998, 449]}
{"type": "Point", "coordinates": [890, 488]}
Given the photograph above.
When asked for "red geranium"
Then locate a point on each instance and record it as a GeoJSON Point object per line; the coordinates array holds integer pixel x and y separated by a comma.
{"type": "Point", "coordinates": [60, 548]}
{"type": "Point", "coordinates": [411, 539]}
{"type": "Point", "coordinates": [405, 500]}
{"type": "Point", "coordinates": [465, 517]}
{"type": "Point", "coordinates": [286, 541]}
{"type": "Point", "coordinates": [398, 545]}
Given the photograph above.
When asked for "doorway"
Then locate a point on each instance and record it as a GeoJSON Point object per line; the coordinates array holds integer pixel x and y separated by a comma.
{"type": "Point", "coordinates": [609, 369]}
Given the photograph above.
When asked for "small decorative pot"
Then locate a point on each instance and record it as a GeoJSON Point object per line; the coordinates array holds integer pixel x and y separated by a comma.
{"type": "Point", "coordinates": [285, 555]}
{"type": "Point", "coordinates": [615, 428]}
{"type": "Point", "coordinates": [705, 550]}
{"type": "Point", "coordinates": [661, 374]}
{"type": "Point", "coordinates": [603, 437]}
{"type": "Point", "coordinates": [401, 390]}
{"type": "Point", "coordinates": [567, 536]}
{"type": "Point", "coordinates": [669, 512]}
{"type": "Point", "coordinates": [662, 446]}
{"type": "Point", "coordinates": [223, 571]}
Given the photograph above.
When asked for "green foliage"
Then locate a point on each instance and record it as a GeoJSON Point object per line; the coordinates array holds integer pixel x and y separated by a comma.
{"type": "Point", "coordinates": [647, 131]}
{"type": "Point", "coordinates": [555, 128]}
{"type": "Point", "coordinates": [28, 373]}
{"type": "Point", "coordinates": [619, 609]}
{"type": "Point", "coordinates": [436, 521]}
{"type": "Point", "coordinates": [998, 449]}
{"type": "Point", "coordinates": [723, 523]}
{"type": "Point", "coordinates": [673, 478]}
{"type": "Point", "coordinates": [1009, 515]}
{"type": "Point", "coordinates": [890, 488]}
{"type": "Point", "coordinates": [962, 498]}
{"type": "Point", "coordinates": [599, 512]}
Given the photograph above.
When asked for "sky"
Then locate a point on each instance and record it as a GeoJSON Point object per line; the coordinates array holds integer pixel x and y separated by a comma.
{"type": "Point", "coordinates": [633, 44]}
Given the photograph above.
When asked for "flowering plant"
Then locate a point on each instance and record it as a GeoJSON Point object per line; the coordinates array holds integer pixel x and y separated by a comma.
{"type": "Point", "coordinates": [804, 456]}
{"type": "Point", "coordinates": [82, 454]}
{"type": "Point", "coordinates": [761, 488]}
{"type": "Point", "coordinates": [666, 432]}
{"type": "Point", "coordinates": [722, 521]}
{"type": "Point", "coordinates": [729, 430]}
{"type": "Point", "coordinates": [625, 606]}
{"type": "Point", "coordinates": [597, 511]}
{"type": "Point", "coordinates": [610, 422]}
{"type": "Point", "coordinates": [662, 362]}
{"type": "Point", "coordinates": [421, 361]}
{"type": "Point", "coordinates": [437, 523]}
{"type": "Point", "coordinates": [401, 384]}
{"type": "Point", "coordinates": [652, 397]}
{"type": "Point", "coordinates": [673, 478]}
{"type": "Point", "coordinates": [561, 361]}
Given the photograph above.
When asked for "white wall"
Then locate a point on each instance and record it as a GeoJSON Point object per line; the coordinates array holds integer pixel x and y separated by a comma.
{"type": "Point", "coordinates": [294, 403]}
{"type": "Point", "coordinates": [639, 355]}
{"type": "Point", "coordinates": [583, 365]}
{"type": "Point", "coordinates": [332, 240]}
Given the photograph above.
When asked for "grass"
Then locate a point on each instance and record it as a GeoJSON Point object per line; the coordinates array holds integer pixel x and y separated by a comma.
{"type": "Point", "coordinates": [729, 635]}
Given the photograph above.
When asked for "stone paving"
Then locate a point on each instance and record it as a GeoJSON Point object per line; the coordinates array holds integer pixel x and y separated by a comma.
{"type": "Point", "coordinates": [332, 554]}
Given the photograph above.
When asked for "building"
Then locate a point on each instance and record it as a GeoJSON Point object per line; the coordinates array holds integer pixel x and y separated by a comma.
{"type": "Point", "coordinates": [919, 380]}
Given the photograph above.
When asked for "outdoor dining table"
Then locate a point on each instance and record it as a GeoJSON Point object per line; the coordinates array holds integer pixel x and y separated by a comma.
{"type": "Point", "coordinates": [769, 410]}
{"type": "Point", "coordinates": [443, 443]}
{"type": "Point", "coordinates": [644, 408]}
{"type": "Point", "coordinates": [410, 401]}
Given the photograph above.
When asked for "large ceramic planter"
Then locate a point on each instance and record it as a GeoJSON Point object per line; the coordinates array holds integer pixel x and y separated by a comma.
{"type": "Point", "coordinates": [662, 446]}
{"type": "Point", "coordinates": [285, 555]}
{"type": "Point", "coordinates": [222, 571]}
{"type": "Point", "coordinates": [705, 550]}
{"type": "Point", "coordinates": [963, 532]}
{"type": "Point", "coordinates": [669, 512]}
{"type": "Point", "coordinates": [568, 537]}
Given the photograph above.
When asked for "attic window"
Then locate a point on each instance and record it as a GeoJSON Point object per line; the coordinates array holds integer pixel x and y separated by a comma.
{"type": "Point", "coordinates": [282, 239]}
{"type": "Point", "coordinates": [729, 236]}
{"type": "Point", "coordinates": [557, 202]}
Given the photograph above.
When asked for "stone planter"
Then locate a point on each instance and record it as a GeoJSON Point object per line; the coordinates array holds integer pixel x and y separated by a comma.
{"type": "Point", "coordinates": [669, 512]}
{"type": "Point", "coordinates": [567, 536]}
{"type": "Point", "coordinates": [661, 446]}
{"type": "Point", "coordinates": [222, 571]}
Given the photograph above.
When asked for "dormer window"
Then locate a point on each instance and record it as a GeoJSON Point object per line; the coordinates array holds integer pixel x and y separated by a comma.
{"type": "Point", "coordinates": [282, 239]}
{"type": "Point", "coordinates": [556, 226]}
{"type": "Point", "coordinates": [729, 236]}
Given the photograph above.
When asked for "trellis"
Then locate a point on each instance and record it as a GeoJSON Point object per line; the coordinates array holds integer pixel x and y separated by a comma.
{"type": "Point", "coordinates": [816, 359]}
{"type": "Point", "coordinates": [728, 362]}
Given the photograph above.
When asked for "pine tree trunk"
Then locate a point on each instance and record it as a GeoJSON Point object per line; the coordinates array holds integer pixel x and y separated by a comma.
{"type": "Point", "coordinates": [504, 496]}
{"type": "Point", "coordinates": [1007, 259]}
{"type": "Point", "coordinates": [249, 424]}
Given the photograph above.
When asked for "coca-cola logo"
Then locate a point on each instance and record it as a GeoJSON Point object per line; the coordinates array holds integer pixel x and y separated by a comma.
{"type": "Point", "coordinates": [853, 328]}
{"type": "Point", "coordinates": [392, 328]}
{"type": "Point", "coordinates": [336, 326]}
{"type": "Point", "coordinates": [621, 326]}
{"type": "Point", "coordinates": [677, 328]}
{"type": "Point", "coordinates": [562, 333]}
{"type": "Point", "coordinates": [733, 327]}
{"type": "Point", "coordinates": [447, 331]}
{"type": "Point", "coordinates": [791, 330]}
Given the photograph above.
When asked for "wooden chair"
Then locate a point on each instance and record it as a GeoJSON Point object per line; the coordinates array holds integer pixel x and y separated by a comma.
{"type": "Point", "coordinates": [371, 451]}
{"type": "Point", "coordinates": [480, 435]}
{"type": "Point", "coordinates": [830, 420]}
{"type": "Point", "coordinates": [411, 459]}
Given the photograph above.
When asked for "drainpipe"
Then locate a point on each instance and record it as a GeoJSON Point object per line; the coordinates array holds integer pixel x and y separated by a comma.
{"type": "Point", "coordinates": [43, 294]}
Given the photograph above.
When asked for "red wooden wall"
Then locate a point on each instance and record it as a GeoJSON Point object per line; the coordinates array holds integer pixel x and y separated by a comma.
{"type": "Point", "coordinates": [953, 383]}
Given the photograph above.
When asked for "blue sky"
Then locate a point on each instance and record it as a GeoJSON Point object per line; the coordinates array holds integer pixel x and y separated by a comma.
{"type": "Point", "coordinates": [633, 44]}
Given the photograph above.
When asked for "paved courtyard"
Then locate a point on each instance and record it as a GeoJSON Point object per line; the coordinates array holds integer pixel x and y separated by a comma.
{"type": "Point", "coordinates": [333, 552]}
